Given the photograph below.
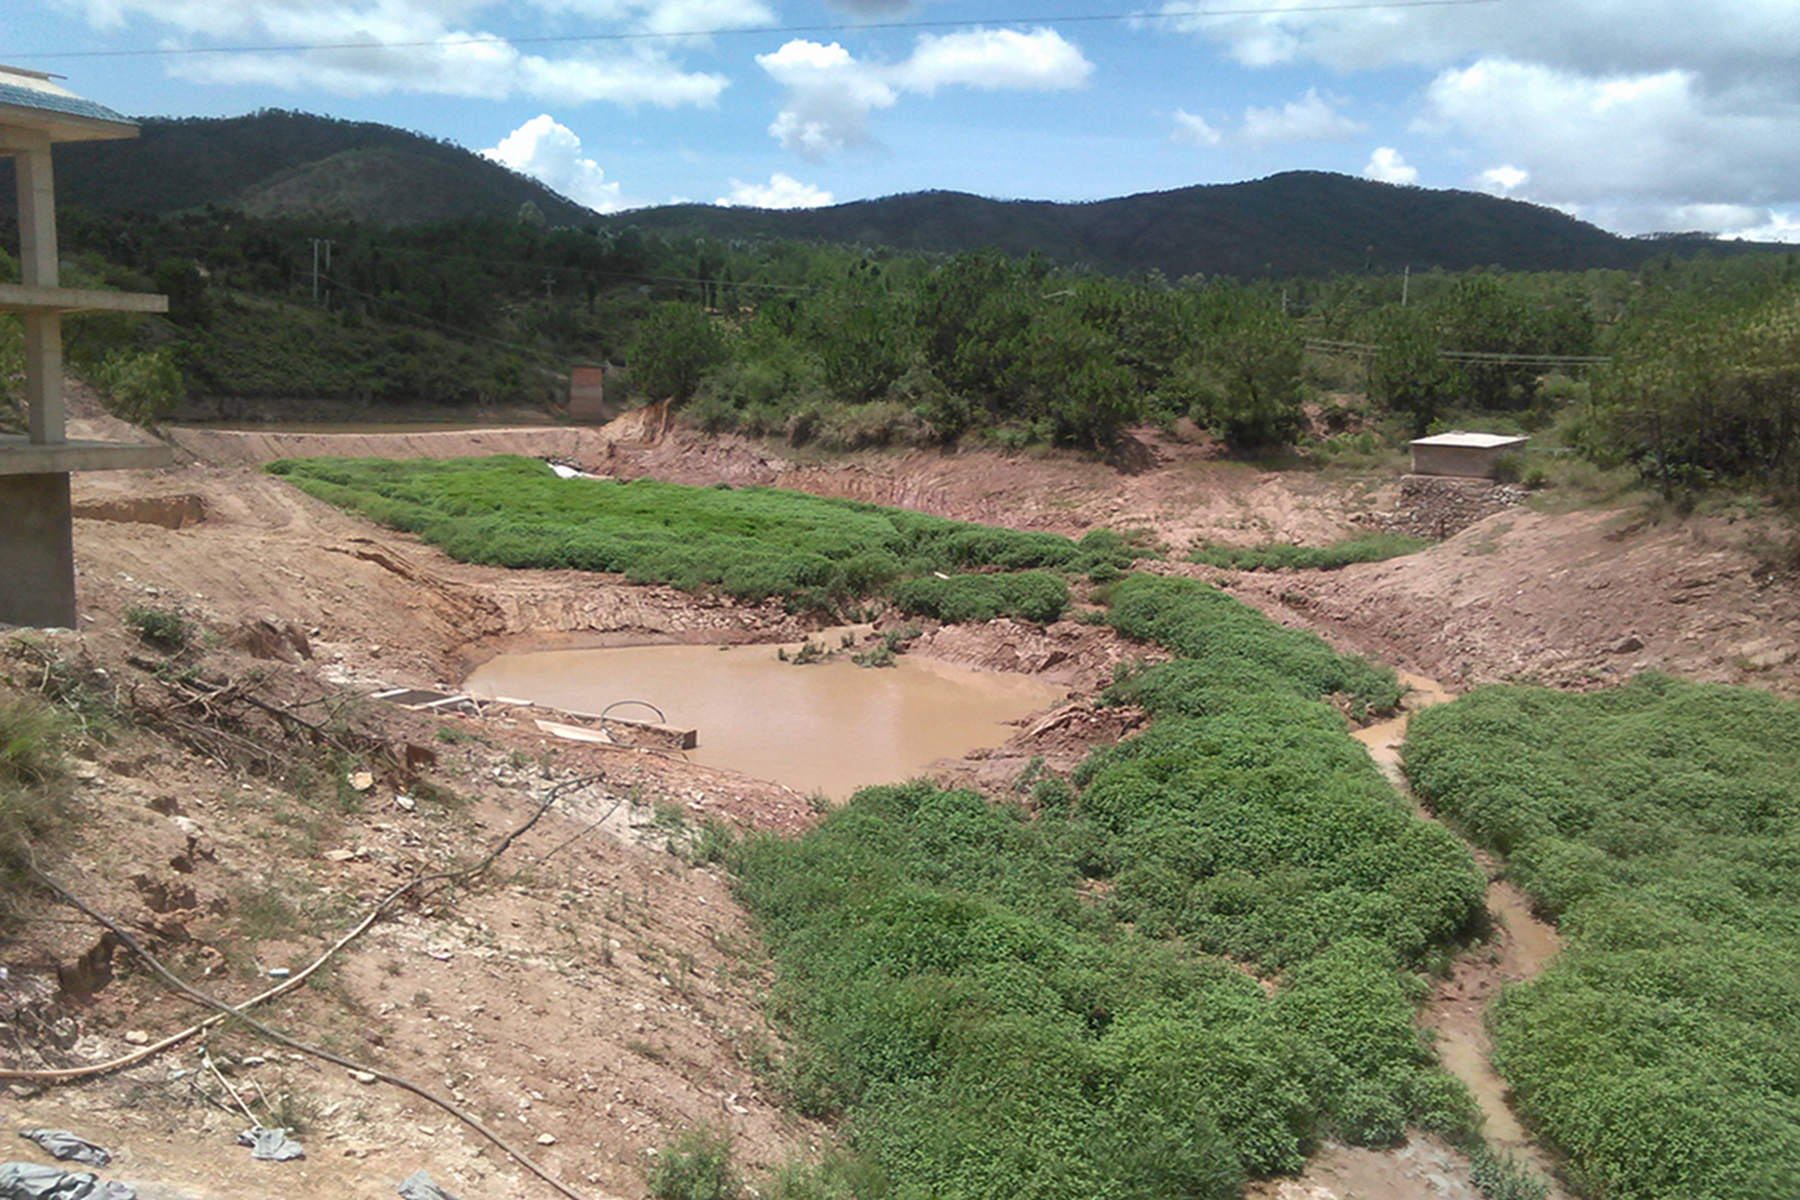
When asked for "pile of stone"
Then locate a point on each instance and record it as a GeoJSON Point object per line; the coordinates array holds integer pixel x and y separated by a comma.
{"type": "Point", "coordinates": [1441, 506]}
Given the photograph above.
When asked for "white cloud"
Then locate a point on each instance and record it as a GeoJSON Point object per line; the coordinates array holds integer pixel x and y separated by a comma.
{"type": "Point", "coordinates": [830, 96]}
{"type": "Point", "coordinates": [1724, 43]}
{"type": "Point", "coordinates": [1386, 166]}
{"type": "Point", "coordinates": [782, 191]}
{"type": "Point", "coordinates": [1628, 111]}
{"type": "Point", "coordinates": [830, 92]}
{"type": "Point", "coordinates": [1503, 179]}
{"type": "Point", "coordinates": [1776, 227]}
{"type": "Point", "coordinates": [995, 60]}
{"type": "Point", "coordinates": [1639, 149]}
{"type": "Point", "coordinates": [1193, 130]}
{"type": "Point", "coordinates": [551, 153]}
{"type": "Point", "coordinates": [431, 47]}
{"type": "Point", "coordinates": [1311, 118]}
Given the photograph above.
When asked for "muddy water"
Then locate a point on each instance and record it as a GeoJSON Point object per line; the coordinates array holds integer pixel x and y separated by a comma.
{"type": "Point", "coordinates": [828, 727]}
{"type": "Point", "coordinates": [1521, 947]}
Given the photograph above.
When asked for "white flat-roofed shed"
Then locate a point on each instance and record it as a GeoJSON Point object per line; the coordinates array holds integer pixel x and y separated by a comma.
{"type": "Point", "coordinates": [37, 559]}
{"type": "Point", "coordinates": [1476, 455]}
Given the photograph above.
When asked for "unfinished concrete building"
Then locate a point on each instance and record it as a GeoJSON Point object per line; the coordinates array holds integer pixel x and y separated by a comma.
{"type": "Point", "coordinates": [37, 557]}
{"type": "Point", "coordinates": [1475, 455]}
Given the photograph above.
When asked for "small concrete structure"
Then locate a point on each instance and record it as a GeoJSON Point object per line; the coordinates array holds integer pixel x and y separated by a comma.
{"type": "Point", "coordinates": [587, 396]}
{"type": "Point", "coordinates": [37, 556]}
{"type": "Point", "coordinates": [1476, 455]}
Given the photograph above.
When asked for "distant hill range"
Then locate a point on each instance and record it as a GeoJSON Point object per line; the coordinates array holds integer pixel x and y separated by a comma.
{"type": "Point", "coordinates": [275, 163]}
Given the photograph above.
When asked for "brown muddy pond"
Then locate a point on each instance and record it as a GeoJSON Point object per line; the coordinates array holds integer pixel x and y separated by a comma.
{"type": "Point", "coordinates": [829, 727]}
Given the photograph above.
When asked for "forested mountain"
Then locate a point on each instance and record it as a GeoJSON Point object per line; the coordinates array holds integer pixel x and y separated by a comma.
{"type": "Point", "coordinates": [1296, 223]}
{"type": "Point", "coordinates": [275, 163]}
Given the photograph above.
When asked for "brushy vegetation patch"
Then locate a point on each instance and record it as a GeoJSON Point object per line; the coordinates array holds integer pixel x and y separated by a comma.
{"type": "Point", "coordinates": [1286, 556]}
{"type": "Point", "coordinates": [1659, 824]}
{"type": "Point", "coordinates": [34, 790]}
{"type": "Point", "coordinates": [1013, 1003]}
{"type": "Point", "coordinates": [751, 543]}
{"type": "Point", "coordinates": [1231, 650]}
{"type": "Point", "coordinates": [1033, 595]}
{"type": "Point", "coordinates": [165, 628]}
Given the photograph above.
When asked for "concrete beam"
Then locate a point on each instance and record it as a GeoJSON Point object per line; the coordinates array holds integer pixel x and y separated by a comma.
{"type": "Point", "coordinates": [19, 297]}
{"type": "Point", "coordinates": [18, 456]}
{"type": "Point", "coordinates": [37, 586]}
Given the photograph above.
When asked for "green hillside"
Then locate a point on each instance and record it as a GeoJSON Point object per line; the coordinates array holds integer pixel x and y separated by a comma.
{"type": "Point", "coordinates": [1301, 223]}
{"type": "Point", "coordinates": [276, 163]}
{"type": "Point", "coordinates": [1297, 223]}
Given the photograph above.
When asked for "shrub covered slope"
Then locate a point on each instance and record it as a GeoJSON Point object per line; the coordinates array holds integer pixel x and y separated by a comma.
{"type": "Point", "coordinates": [1005, 1003]}
{"type": "Point", "coordinates": [1659, 824]}
{"type": "Point", "coordinates": [751, 543]}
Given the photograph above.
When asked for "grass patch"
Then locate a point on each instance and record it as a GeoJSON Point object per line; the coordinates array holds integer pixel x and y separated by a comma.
{"type": "Point", "coordinates": [1032, 595]}
{"type": "Point", "coordinates": [1285, 556]}
{"type": "Point", "coordinates": [34, 789]}
{"type": "Point", "coordinates": [989, 1027]}
{"type": "Point", "coordinates": [696, 1165]}
{"type": "Point", "coordinates": [1659, 824]}
{"type": "Point", "coordinates": [1227, 650]}
{"type": "Point", "coordinates": [750, 543]}
{"type": "Point", "coordinates": [164, 628]}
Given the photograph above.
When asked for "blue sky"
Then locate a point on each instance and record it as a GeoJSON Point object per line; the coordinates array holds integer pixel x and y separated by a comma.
{"type": "Point", "coordinates": [1638, 115]}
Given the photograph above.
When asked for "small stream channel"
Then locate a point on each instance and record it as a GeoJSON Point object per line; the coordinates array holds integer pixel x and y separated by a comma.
{"type": "Point", "coordinates": [1522, 945]}
{"type": "Point", "coordinates": [828, 727]}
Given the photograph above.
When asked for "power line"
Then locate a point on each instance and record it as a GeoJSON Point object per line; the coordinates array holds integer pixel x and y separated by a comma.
{"type": "Point", "coordinates": [759, 31]}
{"type": "Point", "coordinates": [1492, 357]}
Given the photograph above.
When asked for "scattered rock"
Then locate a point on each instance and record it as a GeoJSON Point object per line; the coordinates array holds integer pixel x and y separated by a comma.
{"type": "Point", "coordinates": [1766, 654]}
{"type": "Point", "coordinates": [546, 1139]}
{"type": "Point", "coordinates": [362, 781]}
{"type": "Point", "coordinates": [137, 1037]}
{"type": "Point", "coordinates": [363, 1076]}
{"type": "Point", "coordinates": [1627, 645]}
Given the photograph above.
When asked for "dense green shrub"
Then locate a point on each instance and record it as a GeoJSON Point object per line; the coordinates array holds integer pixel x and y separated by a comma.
{"type": "Point", "coordinates": [696, 1165]}
{"type": "Point", "coordinates": [34, 788]}
{"type": "Point", "coordinates": [1659, 823]}
{"type": "Point", "coordinates": [990, 1024]}
{"type": "Point", "coordinates": [752, 543]}
{"type": "Point", "coordinates": [1240, 647]}
{"type": "Point", "coordinates": [141, 387]}
{"type": "Point", "coordinates": [1033, 595]}
{"type": "Point", "coordinates": [1285, 556]}
{"type": "Point", "coordinates": [164, 628]}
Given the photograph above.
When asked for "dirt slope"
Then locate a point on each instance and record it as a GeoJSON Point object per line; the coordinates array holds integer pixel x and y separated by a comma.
{"type": "Point", "coordinates": [1571, 599]}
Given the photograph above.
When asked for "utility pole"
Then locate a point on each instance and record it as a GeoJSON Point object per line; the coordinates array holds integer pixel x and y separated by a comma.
{"type": "Point", "coordinates": [1405, 284]}
{"type": "Point", "coordinates": [316, 243]}
{"type": "Point", "coordinates": [549, 278]}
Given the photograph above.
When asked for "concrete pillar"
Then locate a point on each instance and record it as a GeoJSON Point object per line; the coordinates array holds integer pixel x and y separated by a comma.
{"type": "Point", "coordinates": [38, 268]}
{"type": "Point", "coordinates": [37, 551]}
